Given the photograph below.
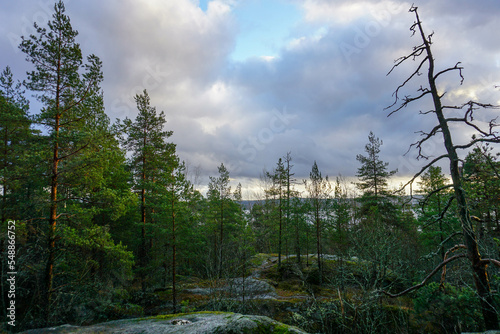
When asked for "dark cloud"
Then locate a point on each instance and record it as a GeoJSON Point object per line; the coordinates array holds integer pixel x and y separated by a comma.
{"type": "Point", "coordinates": [319, 98]}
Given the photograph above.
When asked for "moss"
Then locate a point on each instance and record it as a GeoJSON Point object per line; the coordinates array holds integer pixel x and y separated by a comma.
{"type": "Point", "coordinates": [281, 329]}
{"type": "Point", "coordinates": [258, 259]}
{"type": "Point", "coordinates": [180, 315]}
{"type": "Point", "coordinates": [265, 326]}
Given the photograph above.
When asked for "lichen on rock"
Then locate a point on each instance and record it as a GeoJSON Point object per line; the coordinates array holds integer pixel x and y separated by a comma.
{"type": "Point", "coordinates": [188, 323]}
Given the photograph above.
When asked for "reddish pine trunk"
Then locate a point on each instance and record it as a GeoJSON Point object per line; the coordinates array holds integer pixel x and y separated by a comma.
{"type": "Point", "coordinates": [54, 182]}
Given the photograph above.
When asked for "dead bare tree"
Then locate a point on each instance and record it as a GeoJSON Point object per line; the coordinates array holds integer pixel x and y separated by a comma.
{"type": "Point", "coordinates": [484, 132]}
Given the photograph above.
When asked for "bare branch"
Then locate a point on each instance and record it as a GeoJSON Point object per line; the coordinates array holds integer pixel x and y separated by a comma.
{"type": "Point", "coordinates": [493, 261]}
{"type": "Point", "coordinates": [416, 72]}
{"type": "Point", "coordinates": [443, 212]}
{"type": "Point", "coordinates": [419, 143]}
{"type": "Point", "coordinates": [435, 191]}
{"type": "Point", "coordinates": [451, 250]}
{"type": "Point", "coordinates": [423, 169]}
{"type": "Point", "coordinates": [441, 244]}
{"type": "Point", "coordinates": [496, 139]}
{"type": "Point", "coordinates": [456, 67]}
{"type": "Point", "coordinates": [407, 100]}
{"type": "Point", "coordinates": [426, 279]}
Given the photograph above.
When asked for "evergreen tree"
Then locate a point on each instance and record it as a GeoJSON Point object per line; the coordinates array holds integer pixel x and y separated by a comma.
{"type": "Point", "coordinates": [16, 136]}
{"type": "Point", "coordinates": [152, 158]}
{"type": "Point", "coordinates": [72, 99]}
{"type": "Point", "coordinates": [342, 209]}
{"type": "Point", "coordinates": [481, 174]}
{"type": "Point", "coordinates": [298, 218]}
{"type": "Point", "coordinates": [379, 233]}
{"type": "Point", "coordinates": [278, 192]}
{"type": "Point", "coordinates": [374, 177]}
{"type": "Point", "coordinates": [219, 196]}
{"type": "Point", "coordinates": [290, 233]}
{"type": "Point", "coordinates": [174, 210]}
{"type": "Point", "coordinates": [437, 224]}
{"type": "Point", "coordinates": [319, 190]}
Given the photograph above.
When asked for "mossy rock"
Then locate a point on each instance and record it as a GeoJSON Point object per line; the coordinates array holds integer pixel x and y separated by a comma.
{"type": "Point", "coordinates": [193, 323]}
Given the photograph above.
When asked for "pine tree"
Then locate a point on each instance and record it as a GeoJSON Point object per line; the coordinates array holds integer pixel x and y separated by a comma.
{"type": "Point", "coordinates": [177, 194]}
{"type": "Point", "coordinates": [16, 135]}
{"type": "Point", "coordinates": [436, 225]}
{"type": "Point", "coordinates": [319, 189]}
{"type": "Point", "coordinates": [278, 192]}
{"type": "Point", "coordinates": [373, 172]}
{"type": "Point", "coordinates": [374, 177]}
{"type": "Point", "coordinates": [481, 172]}
{"type": "Point", "coordinates": [219, 193]}
{"type": "Point", "coordinates": [72, 101]}
{"type": "Point", "coordinates": [152, 157]}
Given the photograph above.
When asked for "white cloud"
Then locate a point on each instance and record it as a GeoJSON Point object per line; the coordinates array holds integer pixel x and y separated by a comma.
{"type": "Point", "coordinates": [345, 12]}
{"type": "Point", "coordinates": [221, 111]}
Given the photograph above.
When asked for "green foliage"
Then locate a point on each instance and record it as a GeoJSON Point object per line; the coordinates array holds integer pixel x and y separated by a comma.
{"type": "Point", "coordinates": [185, 308]}
{"type": "Point", "coordinates": [373, 173]}
{"type": "Point", "coordinates": [377, 202]}
{"type": "Point", "coordinates": [351, 315]}
{"type": "Point", "coordinates": [16, 164]}
{"type": "Point", "coordinates": [152, 163]}
{"type": "Point", "coordinates": [123, 310]}
{"type": "Point", "coordinates": [100, 203]}
{"type": "Point", "coordinates": [436, 212]}
{"type": "Point", "coordinates": [224, 227]}
{"type": "Point", "coordinates": [447, 310]}
{"type": "Point", "coordinates": [482, 182]}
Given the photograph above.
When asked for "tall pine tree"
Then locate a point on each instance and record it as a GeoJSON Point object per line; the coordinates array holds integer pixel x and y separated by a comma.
{"type": "Point", "coordinates": [70, 92]}
{"type": "Point", "coordinates": [319, 189]}
{"type": "Point", "coordinates": [374, 176]}
{"type": "Point", "coordinates": [152, 157]}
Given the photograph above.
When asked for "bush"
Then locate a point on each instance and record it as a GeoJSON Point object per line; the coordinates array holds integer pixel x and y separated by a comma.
{"type": "Point", "coordinates": [352, 315]}
{"type": "Point", "coordinates": [447, 310]}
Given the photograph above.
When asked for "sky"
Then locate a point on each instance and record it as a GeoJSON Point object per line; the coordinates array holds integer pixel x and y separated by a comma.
{"type": "Point", "coordinates": [243, 82]}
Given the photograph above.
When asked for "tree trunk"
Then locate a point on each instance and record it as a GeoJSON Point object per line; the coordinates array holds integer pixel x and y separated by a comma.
{"type": "Point", "coordinates": [142, 250]}
{"type": "Point", "coordinates": [470, 240]}
{"type": "Point", "coordinates": [174, 259]}
{"type": "Point", "coordinates": [54, 182]}
{"type": "Point", "coordinates": [221, 234]}
{"type": "Point", "coordinates": [49, 269]}
{"type": "Point", "coordinates": [318, 243]}
{"type": "Point", "coordinates": [297, 241]}
{"type": "Point", "coordinates": [280, 227]}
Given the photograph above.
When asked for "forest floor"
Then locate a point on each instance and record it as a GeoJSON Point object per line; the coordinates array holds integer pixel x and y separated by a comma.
{"type": "Point", "coordinates": [266, 289]}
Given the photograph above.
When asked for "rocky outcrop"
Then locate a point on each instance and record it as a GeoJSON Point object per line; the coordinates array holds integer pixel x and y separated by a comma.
{"type": "Point", "coordinates": [192, 323]}
{"type": "Point", "coordinates": [240, 288]}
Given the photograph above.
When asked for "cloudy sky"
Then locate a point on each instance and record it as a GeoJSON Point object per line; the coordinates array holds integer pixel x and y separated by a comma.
{"type": "Point", "coordinates": [243, 82]}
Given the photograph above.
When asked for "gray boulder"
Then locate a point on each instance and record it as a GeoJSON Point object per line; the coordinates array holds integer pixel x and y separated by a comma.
{"type": "Point", "coordinates": [190, 323]}
{"type": "Point", "coordinates": [249, 288]}
{"type": "Point", "coordinates": [252, 288]}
